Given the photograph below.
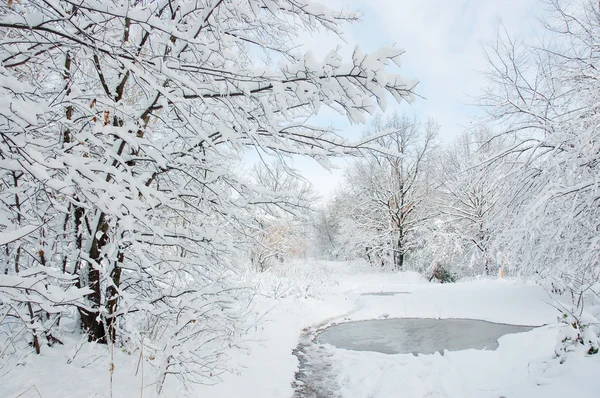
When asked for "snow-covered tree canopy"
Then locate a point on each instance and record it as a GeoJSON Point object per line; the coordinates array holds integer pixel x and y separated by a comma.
{"type": "Point", "coordinates": [385, 196]}
{"type": "Point", "coordinates": [121, 123]}
{"type": "Point", "coordinates": [544, 101]}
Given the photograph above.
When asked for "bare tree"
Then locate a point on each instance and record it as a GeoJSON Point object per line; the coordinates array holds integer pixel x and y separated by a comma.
{"type": "Point", "coordinates": [469, 191]}
{"type": "Point", "coordinates": [386, 193]}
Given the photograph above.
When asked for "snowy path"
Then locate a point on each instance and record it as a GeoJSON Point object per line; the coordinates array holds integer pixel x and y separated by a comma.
{"type": "Point", "coordinates": [522, 366]}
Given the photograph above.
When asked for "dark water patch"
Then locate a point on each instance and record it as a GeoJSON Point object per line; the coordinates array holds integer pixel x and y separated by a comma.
{"type": "Point", "coordinates": [417, 335]}
{"type": "Point", "coordinates": [314, 378]}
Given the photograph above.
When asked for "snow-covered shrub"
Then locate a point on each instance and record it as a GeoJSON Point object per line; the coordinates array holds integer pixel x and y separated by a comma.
{"type": "Point", "coordinates": [436, 244]}
{"type": "Point", "coordinates": [277, 242]}
{"type": "Point", "coordinates": [294, 278]}
{"type": "Point", "coordinates": [580, 331]}
{"type": "Point", "coordinates": [442, 274]}
{"type": "Point", "coordinates": [576, 336]}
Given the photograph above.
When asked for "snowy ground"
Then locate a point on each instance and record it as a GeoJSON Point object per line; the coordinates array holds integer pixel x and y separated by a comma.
{"type": "Point", "coordinates": [522, 366]}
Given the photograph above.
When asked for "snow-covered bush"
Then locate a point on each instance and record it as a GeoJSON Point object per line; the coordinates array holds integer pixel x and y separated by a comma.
{"type": "Point", "coordinates": [581, 329]}
{"type": "Point", "coordinates": [277, 242]}
{"type": "Point", "coordinates": [442, 274]}
{"type": "Point", "coordinates": [576, 336]}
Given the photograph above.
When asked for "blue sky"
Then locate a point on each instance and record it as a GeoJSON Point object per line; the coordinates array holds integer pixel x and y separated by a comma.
{"type": "Point", "coordinates": [443, 41]}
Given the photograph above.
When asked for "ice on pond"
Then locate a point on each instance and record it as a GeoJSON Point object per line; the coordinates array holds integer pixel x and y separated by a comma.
{"type": "Point", "coordinates": [417, 335]}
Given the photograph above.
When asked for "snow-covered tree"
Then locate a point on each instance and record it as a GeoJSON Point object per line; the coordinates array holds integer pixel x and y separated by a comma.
{"type": "Point", "coordinates": [280, 224]}
{"type": "Point", "coordinates": [121, 123]}
{"type": "Point", "coordinates": [385, 195]}
{"type": "Point", "coordinates": [544, 98]}
{"type": "Point", "coordinates": [470, 186]}
{"type": "Point", "coordinates": [326, 224]}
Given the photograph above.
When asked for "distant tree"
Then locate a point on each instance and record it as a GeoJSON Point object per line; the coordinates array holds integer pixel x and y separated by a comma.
{"type": "Point", "coordinates": [386, 194]}
{"type": "Point", "coordinates": [327, 229]}
{"type": "Point", "coordinates": [469, 192]}
{"type": "Point", "coordinates": [280, 224]}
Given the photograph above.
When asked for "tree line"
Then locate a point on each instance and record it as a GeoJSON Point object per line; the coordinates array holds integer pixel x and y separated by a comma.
{"type": "Point", "coordinates": [519, 188]}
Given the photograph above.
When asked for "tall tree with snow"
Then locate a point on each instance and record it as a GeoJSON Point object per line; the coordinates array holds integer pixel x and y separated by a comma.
{"type": "Point", "coordinates": [470, 186]}
{"type": "Point", "coordinates": [121, 122]}
{"type": "Point", "coordinates": [386, 194]}
{"type": "Point", "coordinates": [544, 98]}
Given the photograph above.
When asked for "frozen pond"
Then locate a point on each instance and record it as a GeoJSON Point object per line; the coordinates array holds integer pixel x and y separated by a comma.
{"type": "Point", "coordinates": [417, 335]}
{"type": "Point", "coordinates": [383, 294]}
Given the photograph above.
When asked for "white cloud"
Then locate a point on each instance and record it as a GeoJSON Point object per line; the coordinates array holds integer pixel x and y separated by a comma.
{"type": "Point", "coordinates": [443, 41]}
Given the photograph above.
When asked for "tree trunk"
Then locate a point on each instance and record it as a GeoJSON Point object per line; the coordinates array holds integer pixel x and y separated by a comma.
{"type": "Point", "coordinates": [36, 340]}
{"type": "Point", "coordinates": [399, 253]}
{"type": "Point", "coordinates": [398, 260]}
{"type": "Point", "coordinates": [91, 320]}
{"type": "Point", "coordinates": [112, 293]}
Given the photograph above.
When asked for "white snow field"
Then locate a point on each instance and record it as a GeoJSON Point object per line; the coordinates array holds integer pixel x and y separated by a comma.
{"type": "Point", "coordinates": [263, 366]}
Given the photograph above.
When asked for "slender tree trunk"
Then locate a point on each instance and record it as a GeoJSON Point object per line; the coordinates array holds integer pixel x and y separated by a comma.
{"type": "Point", "coordinates": [112, 293]}
{"type": "Point", "coordinates": [88, 275]}
{"type": "Point", "coordinates": [399, 260]}
{"type": "Point", "coordinates": [91, 319]}
{"type": "Point", "coordinates": [484, 247]}
{"type": "Point", "coordinates": [36, 340]}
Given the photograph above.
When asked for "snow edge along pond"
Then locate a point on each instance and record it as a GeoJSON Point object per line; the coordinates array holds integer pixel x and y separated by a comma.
{"type": "Point", "coordinates": [523, 364]}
